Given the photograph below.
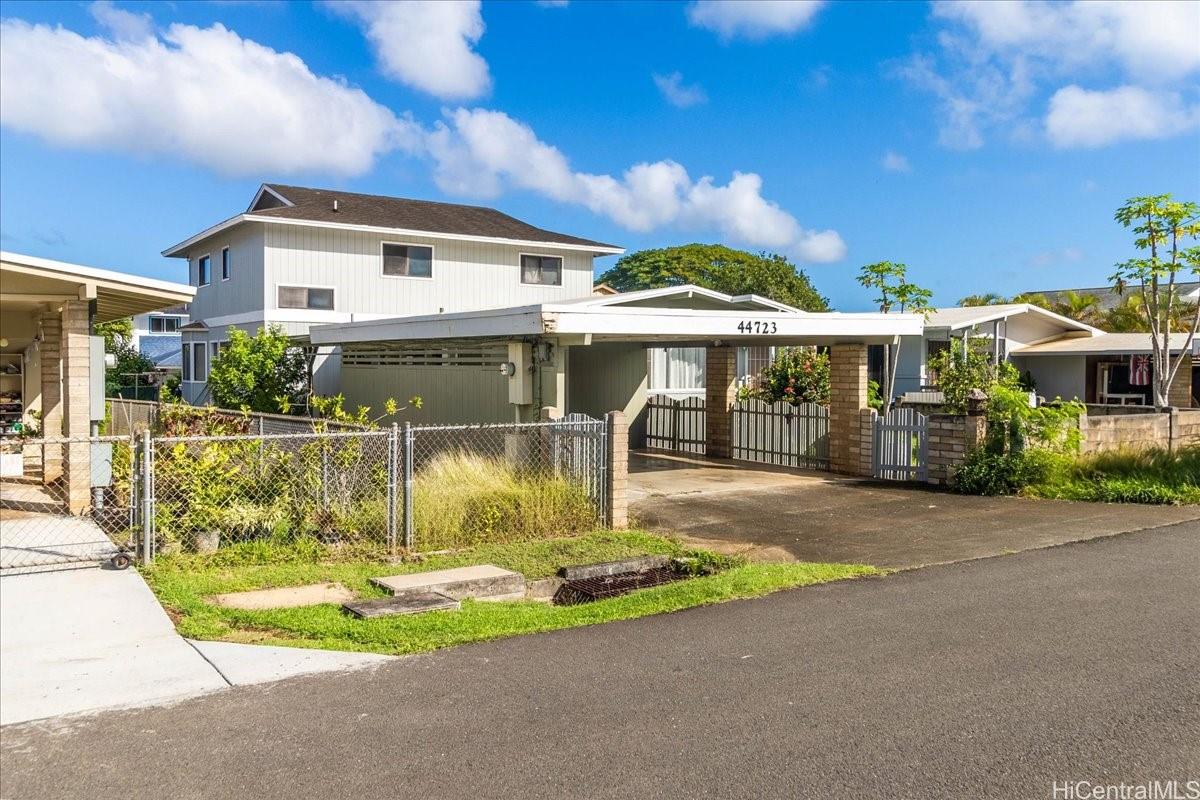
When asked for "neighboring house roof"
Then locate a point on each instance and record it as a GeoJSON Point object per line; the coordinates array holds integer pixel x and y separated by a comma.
{"type": "Point", "coordinates": [961, 317]}
{"type": "Point", "coordinates": [677, 313]}
{"type": "Point", "coordinates": [1105, 344]}
{"type": "Point", "coordinates": [603, 288]}
{"type": "Point", "coordinates": [30, 281]}
{"type": "Point", "coordinates": [394, 215]}
{"type": "Point", "coordinates": [1108, 298]}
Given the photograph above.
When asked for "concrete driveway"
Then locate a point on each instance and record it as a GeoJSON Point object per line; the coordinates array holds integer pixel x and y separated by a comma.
{"type": "Point", "coordinates": [772, 514]}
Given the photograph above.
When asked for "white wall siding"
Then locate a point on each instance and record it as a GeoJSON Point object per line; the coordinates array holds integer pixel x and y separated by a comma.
{"type": "Point", "coordinates": [466, 275]}
{"type": "Point", "coordinates": [243, 292]}
{"type": "Point", "coordinates": [1056, 376]}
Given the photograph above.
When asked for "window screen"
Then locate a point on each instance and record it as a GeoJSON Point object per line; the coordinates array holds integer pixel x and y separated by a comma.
{"type": "Point", "coordinates": [407, 261]}
{"type": "Point", "coordinates": [305, 297]}
{"type": "Point", "coordinates": [546, 270]}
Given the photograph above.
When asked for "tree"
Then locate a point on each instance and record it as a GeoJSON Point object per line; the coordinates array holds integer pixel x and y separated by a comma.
{"type": "Point", "coordinates": [115, 332]}
{"type": "Point", "coordinates": [129, 362]}
{"type": "Point", "coordinates": [1162, 228]}
{"type": "Point", "coordinates": [1083, 308]}
{"type": "Point", "coordinates": [987, 299]}
{"type": "Point", "coordinates": [890, 279]}
{"type": "Point", "coordinates": [717, 267]}
{"type": "Point", "coordinates": [265, 372]}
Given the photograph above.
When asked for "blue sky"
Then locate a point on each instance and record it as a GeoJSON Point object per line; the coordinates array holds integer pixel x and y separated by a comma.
{"type": "Point", "coordinates": [986, 145]}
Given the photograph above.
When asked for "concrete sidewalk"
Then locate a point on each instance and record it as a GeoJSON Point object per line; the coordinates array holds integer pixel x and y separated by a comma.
{"type": "Point", "coordinates": [88, 639]}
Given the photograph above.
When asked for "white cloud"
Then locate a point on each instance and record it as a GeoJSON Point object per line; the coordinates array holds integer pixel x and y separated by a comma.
{"type": "Point", "coordinates": [122, 24]}
{"type": "Point", "coordinates": [204, 94]}
{"type": "Point", "coordinates": [995, 59]}
{"type": "Point", "coordinates": [481, 153]}
{"type": "Point", "coordinates": [895, 162]}
{"type": "Point", "coordinates": [753, 19]}
{"type": "Point", "coordinates": [426, 44]}
{"type": "Point", "coordinates": [677, 93]}
{"type": "Point", "coordinates": [1048, 258]}
{"type": "Point", "coordinates": [1082, 118]}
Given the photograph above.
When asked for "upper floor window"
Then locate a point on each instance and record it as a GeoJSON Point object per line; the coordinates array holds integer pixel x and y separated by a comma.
{"type": "Point", "coordinates": [224, 263]}
{"type": "Point", "coordinates": [204, 271]}
{"type": "Point", "coordinates": [545, 270]}
{"type": "Point", "coordinates": [306, 297]}
{"type": "Point", "coordinates": [164, 324]}
{"type": "Point", "coordinates": [407, 260]}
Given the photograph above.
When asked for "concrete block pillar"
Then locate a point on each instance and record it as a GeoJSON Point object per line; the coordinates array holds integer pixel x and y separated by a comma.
{"type": "Point", "coordinates": [1180, 395]}
{"type": "Point", "coordinates": [76, 403]}
{"type": "Point", "coordinates": [49, 354]}
{"type": "Point", "coordinates": [849, 440]}
{"type": "Point", "coordinates": [720, 393]}
{"type": "Point", "coordinates": [616, 501]}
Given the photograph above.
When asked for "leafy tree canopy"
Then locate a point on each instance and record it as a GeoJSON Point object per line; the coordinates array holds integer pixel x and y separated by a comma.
{"type": "Point", "coordinates": [717, 267]}
{"type": "Point", "coordinates": [265, 372]}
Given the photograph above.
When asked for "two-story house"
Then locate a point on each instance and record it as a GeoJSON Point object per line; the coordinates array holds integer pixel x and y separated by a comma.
{"type": "Point", "coordinates": [299, 257]}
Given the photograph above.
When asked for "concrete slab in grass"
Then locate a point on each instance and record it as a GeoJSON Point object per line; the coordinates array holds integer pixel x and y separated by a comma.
{"type": "Point", "coordinates": [286, 597]}
{"type": "Point", "coordinates": [245, 664]}
{"type": "Point", "coordinates": [481, 582]}
{"type": "Point", "coordinates": [407, 603]}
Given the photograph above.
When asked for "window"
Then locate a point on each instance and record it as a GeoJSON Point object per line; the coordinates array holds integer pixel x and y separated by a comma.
{"type": "Point", "coordinates": [224, 263]}
{"type": "Point", "coordinates": [215, 348]}
{"type": "Point", "coordinates": [677, 370]}
{"type": "Point", "coordinates": [305, 297]}
{"type": "Point", "coordinates": [164, 324]}
{"type": "Point", "coordinates": [199, 362]}
{"type": "Point", "coordinates": [545, 270]}
{"type": "Point", "coordinates": [203, 271]}
{"type": "Point", "coordinates": [186, 362]}
{"type": "Point", "coordinates": [407, 261]}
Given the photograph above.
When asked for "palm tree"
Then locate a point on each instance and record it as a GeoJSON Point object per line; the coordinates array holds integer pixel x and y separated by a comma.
{"type": "Point", "coordinates": [988, 299]}
{"type": "Point", "coordinates": [1083, 308]}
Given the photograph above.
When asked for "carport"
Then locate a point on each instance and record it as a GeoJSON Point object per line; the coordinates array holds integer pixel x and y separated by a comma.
{"type": "Point", "coordinates": [589, 356]}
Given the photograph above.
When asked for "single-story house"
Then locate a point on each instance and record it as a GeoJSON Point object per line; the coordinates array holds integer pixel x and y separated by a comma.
{"type": "Point", "coordinates": [1063, 357]}
{"type": "Point", "coordinates": [586, 355]}
{"type": "Point", "coordinates": [51, 367]}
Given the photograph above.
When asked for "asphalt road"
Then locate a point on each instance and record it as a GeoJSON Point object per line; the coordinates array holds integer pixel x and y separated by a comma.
{"type": "Point", "coordinates": [990, 678]}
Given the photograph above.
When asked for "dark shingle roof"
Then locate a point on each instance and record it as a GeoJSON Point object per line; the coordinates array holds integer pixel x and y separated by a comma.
{"type": "Point", "coordinates": [415, 215]}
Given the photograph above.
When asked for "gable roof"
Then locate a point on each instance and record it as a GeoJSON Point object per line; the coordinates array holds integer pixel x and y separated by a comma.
{"type": "Point", "coordinates": [684, 296]}
{"type": "Point", "coordinates": [1108, 298]}
{"type": "Point", "coordinates": [959, 317]}
{"type": "Point", "coordinates": [274, 202]}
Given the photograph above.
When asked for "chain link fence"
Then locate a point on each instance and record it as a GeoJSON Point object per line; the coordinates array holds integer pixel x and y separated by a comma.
{"type": "Point", "coordinates": [420, 488]}
{"type": "Point", "coordinates": [48, 521]}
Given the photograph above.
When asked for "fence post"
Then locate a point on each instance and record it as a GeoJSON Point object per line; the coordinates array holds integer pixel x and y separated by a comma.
{"type": "Point", "coordinates": [408, 486]}
{"type": "Point", "coordinates": [147, 478]}
{"type": "Point", "coordinates": [393, 443]}
{"type": "Point", "coordinates": [616, 478]}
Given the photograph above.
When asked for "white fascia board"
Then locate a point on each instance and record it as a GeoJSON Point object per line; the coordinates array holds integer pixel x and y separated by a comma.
{"type": "Point", "coordinates": [734, 325]}
{"type": "Point", "coordinates": [1026, 308]}
{"type": "Point", "coordinates": [180, 249]}
{"type": "Point", "coordinates": [63, 270]}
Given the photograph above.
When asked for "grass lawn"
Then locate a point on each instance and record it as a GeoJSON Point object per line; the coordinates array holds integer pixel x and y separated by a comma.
{"type": "Point", "coordinates": [183, 583]}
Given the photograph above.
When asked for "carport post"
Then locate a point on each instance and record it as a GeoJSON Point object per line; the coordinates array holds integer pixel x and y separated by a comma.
{"type": "Point", "coordinates": [850, 441]}
{"type": "Point", "coordinates": [616, 468]}
{"type": "Point", "coordinates": [720, 392]}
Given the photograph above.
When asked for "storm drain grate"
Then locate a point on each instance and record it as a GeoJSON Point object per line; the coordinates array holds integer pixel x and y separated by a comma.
{"type": "Point", "coordinates": [587, 590]}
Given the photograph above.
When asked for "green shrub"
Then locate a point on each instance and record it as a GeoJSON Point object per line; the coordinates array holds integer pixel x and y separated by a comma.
{"type": "Point", "coordinates": [461, 499]}
{"type": "Point", "coordinates": [797, 375]}
{"type": "Point", "coordinates": [987, 472]}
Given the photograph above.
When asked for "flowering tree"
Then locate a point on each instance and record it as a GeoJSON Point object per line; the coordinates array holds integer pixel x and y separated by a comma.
{"type": "Point", "coordinates": [797, 375]}
{"type": "Point", "coordinates": [1162, 227]}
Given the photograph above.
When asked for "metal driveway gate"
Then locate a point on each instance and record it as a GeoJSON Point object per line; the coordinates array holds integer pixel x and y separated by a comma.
{"type": "Point", "coordinates": [780, 433]}
{"type": "Point", "coordinates": [900, 450]}
{"type": "Point", "coordinates": [675, 423]}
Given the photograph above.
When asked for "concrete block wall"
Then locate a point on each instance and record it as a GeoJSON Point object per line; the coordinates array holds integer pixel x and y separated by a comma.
{"type": "Point", "coordinates": [52, 412]}
{"type": "Point", "coordinates": [951, 437]}
{"type": "Point", "coordinates": [1185, 427]}
{"type": "Point", "coordinates": [1124, 432]}
{"type": "Point", "coordinates": [1180, 395]}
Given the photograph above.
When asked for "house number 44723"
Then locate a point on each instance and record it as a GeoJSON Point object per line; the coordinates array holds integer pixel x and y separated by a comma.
{"type": "Point", "coordinates": [757, 326]}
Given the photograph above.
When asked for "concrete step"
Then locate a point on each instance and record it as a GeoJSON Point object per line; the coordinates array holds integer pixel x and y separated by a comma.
{"type": "Point", "coordinates": [409, 603]}
{"type": "Point", "coordinates": [481, 582]}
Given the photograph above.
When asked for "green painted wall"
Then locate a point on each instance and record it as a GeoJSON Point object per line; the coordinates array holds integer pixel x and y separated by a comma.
{"type": "Point", "coordinates": [610, 377]}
